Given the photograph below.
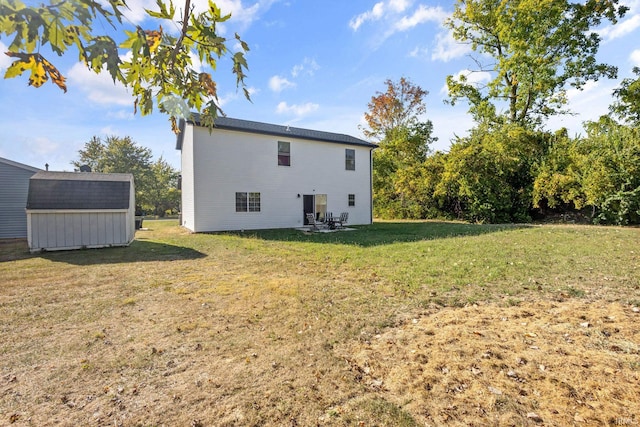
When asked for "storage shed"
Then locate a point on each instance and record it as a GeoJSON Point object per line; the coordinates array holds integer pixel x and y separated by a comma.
{"type": "Point", "coordinates": [14, 177]}
{"type": "Point", "coordinates": [74, 210]}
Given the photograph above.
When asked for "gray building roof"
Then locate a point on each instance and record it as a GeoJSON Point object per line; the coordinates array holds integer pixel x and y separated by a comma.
{"type": "Point", "coordinates": [79, 190]}
{"type": "Point", "coordinates": [18, 165]}
{"type": "Point", "coordinates": [228, 123]}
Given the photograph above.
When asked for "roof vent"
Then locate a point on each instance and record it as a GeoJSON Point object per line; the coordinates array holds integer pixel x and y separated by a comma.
{"type": "Point", "coordinates": [85, 168]}
{"type": "Point", "coordinates": [287, 129]}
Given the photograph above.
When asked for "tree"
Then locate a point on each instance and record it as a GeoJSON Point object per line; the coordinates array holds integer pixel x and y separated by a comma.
{"type": "Point", "coordinates": [397, 168]}
{"type": "Point", "coordinates": [627, 105]}
{"type": "Point", "coordinates": [163, 193]}
{"type": "Point", "coordinates": [557, 179]}
{"type": "Point", "coordinates": [399, 106]}
{"type": "Point", "coordinates": [536, 48]}
{"type": "Point", "coordinates": [403, 145]}
{"type": "Point", "coordinates": [610, 171]}
{"type": "Point", "coordinates": [155, 64]}
{"type": "Point", "coordinates": [120, 155]}
{"type": "Point", "coordinates": [488, 175]}
{"type": "Point", "coordinates": [600, 171]}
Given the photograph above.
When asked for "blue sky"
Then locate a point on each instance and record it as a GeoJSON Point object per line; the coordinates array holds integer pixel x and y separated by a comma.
{"type": "Point", "coordinates": [312, 64]}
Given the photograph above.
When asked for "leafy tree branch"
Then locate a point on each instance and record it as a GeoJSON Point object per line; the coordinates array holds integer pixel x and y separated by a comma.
{"type": "Point", "coordinates": [156, 66]}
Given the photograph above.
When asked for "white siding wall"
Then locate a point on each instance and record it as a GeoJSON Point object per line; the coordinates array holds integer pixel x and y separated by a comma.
{"type": "Point", "coordinates": [226, 162]}
{"type": "Point", "coordinates": [130, 215]}
{"type": "Point", "coordinates": [187, 208]}
{"type": "Point", "coordinates": [74, 230]}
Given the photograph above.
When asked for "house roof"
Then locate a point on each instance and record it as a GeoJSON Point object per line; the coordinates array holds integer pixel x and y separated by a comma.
{"type": "Point", "coordinates": [18, 165]}
{"type": "Point", "coordinates": [228, 123]}
{"type": "Point", "coordinates": [79, 190]}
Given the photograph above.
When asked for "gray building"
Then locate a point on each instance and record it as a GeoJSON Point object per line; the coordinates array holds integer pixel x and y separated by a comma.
{"type": "Point", "coordinates": [74, 210]}
{"type": "Point", "coordinates": [14, 186]}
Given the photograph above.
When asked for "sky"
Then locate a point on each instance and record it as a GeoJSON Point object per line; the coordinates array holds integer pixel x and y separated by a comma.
{"type": "Point", "coordinates": [312, 64]}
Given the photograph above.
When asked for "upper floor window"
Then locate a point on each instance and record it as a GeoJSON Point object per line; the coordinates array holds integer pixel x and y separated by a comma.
{"type": "Point", "coordinates": [350, 159]}
{"type": "Point", "coordinates": [284, 153]}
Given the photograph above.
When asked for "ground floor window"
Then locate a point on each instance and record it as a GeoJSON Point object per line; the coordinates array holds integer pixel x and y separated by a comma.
{"type": "Point", "coordinates": [247, 202]}
{"type": "Point", "coordinates": [254, 202]}
{"type": "Point", "coordinates": [352, 199]}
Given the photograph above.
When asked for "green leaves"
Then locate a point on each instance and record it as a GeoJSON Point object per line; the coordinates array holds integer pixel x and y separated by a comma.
{"type": "Point", "coordinates": [537, 48]}
{"type": "Point", "coordinates": [627, 105]}
{"type": "Point", "coordinates": [158, 67]}
{"type": "Point", "coordinates": [165, 13]}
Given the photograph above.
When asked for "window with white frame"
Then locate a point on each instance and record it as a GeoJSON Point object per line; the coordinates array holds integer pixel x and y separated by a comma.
{"type": "Point", "coordinates": [254, 202]}
{"type": "Point", "coordinates": [350, 159]}
{"type": "Point", "coordinates": [247, 202]}
{"type": "Point", "coordinates": [352, 199]}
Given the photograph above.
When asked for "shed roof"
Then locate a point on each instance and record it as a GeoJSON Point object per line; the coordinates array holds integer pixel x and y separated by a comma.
{"type": "Point", "coordinates": [79, 190]}
{"type": "Point", "coordinates": [240, 125]}
{"type": "Point", "coordinates": [18, 165]}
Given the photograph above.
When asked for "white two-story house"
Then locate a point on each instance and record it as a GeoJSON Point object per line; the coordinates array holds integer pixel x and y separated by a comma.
{"type": "Point", "coordinates": [247, 175]}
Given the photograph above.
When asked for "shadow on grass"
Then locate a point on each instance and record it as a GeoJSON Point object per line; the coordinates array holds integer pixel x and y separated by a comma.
{"type": "Point", "coordinates": [137, 251]}
{"type": "Point", "coordinates": [383, 233]}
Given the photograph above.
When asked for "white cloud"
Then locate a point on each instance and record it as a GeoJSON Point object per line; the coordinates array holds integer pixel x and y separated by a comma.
{"type": "Point", "coordinates": [574, 94]}
{"type": "Point", "coordinates": [448, 48]}
{"type": "Point", "coordinates": [253, 90]}
{"type": "Point", "coordinates": [635, 58]}
{"type": "Point", "coordinates": [391, 11]}
{"type": "Point", "coordinates": [399, 5]}
{"type": "Point", "coordinates": [419, 52]}
{"type": "Point", "coordinates": [621, 29]}
{"type": "Point", "coordinates": [5, 61]}
{"type": "Point", "coordinates": [371, 15]}
{"type": "Point", "coordinates": [99, 88]}
{"type": "Point", "coordinates": [381, 10]}
{"type": "Point", "coordinates": [474, 78]}
{"type": "Point", "coordinates": [196, 64]}
{"type": "Point", "coordinates": [135, 12]}
{"type": "Point", "coordinates": [109, 130]}
{"type": "Point", "coordinates": [421, 15]}
{"type": "Point", "coordinates": [278, 84]}
{"type": "Point", "coordinates": [41, 145]}
{"type": "Point", "coordinates": [587, 104]}
{"type": "Point", "coordinates": [297, 110]}
{"type": "Point", "coordinates": [308, 66]}
{"type": "Point", "coordinates": [241, 16]}
{"type": "Point", "coordinates": [121, 114]}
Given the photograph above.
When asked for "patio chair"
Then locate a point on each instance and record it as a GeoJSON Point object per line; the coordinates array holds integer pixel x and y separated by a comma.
{"type": "Point", "coordinates": [344, 217]}
{"type": "Point", "coordinates": [315, 225]}
{"type": "Point", "coordinates": [330, 220]}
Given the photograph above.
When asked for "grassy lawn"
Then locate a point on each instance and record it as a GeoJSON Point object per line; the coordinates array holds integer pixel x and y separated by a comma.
{"type": "Point", "coordinates": [394, 324]}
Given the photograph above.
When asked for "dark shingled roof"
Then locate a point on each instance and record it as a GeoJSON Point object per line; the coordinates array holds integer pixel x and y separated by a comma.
{"type": "Point", "coordinates": [79, 190]}
{"type": "Point", "coordinates": [228, 123]}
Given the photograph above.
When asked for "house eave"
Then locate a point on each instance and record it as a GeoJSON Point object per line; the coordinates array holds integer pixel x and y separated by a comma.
{"type": "Point", "coordinates": [259, 128]}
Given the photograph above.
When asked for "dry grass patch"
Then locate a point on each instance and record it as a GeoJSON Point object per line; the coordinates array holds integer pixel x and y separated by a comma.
{"type": "Point", "coordinates": [400, 325]}
{"type": "Point", "coordinates": [571, 362]}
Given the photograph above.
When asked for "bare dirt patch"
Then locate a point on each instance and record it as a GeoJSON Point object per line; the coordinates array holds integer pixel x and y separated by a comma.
{"type": "Point", "coordinates": [573, 362]}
